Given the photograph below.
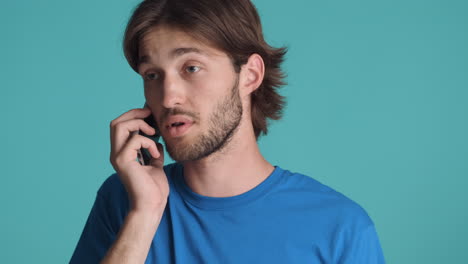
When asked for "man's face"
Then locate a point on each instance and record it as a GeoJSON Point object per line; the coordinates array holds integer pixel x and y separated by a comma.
{"type": "Point", "coordinates": [192, 90]}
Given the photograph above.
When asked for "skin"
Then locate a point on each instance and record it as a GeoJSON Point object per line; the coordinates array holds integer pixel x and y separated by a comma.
{"type": "Point", "coordinates": [197, 90]}
{"type": "Point", "coordinates": [196, 86]}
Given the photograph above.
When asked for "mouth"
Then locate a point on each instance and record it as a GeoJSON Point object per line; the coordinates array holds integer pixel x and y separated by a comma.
{"type": "Point", "coordinates": [178, 126]}
{"type": "Point", "coordinates": [179, 129]}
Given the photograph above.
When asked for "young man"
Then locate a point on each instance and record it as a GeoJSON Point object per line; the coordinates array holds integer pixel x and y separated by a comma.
{"type": "Point", "coordinates": [210, 81]}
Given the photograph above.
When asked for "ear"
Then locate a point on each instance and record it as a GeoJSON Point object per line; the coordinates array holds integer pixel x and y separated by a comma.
{"type": "Point", "coordinates": [252, 74]}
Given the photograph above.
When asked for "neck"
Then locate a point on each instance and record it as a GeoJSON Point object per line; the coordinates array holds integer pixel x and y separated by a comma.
{"type": "Point", "coordinates": [234, 170]}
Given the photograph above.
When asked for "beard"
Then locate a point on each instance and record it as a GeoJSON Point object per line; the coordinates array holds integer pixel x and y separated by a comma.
{"type": "Point", "coordinates": [223, 123]}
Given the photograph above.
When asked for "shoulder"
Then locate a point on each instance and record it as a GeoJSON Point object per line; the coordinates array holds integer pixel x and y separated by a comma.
{"type": "Point", "coordinates": [331, 204]}
{"type": "Point", "coordinates": [335, 217]}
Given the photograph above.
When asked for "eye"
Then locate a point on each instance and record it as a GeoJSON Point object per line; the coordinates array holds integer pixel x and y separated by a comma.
{"type": "Point", "coordinates": [192, 69]}
{"type": "Point", "coordinates": [151, 76]}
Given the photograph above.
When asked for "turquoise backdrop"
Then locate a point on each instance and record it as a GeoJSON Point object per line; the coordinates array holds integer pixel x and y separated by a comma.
{"type": "Point", "coordinates": [377, 109]}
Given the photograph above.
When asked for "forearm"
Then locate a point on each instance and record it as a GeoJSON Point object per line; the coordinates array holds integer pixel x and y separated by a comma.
{"type": "Point", "coordinates": [134, 238]}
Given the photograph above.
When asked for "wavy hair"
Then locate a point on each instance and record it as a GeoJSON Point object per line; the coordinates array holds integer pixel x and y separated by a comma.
{"type": "Point", "coordinates": [231, 26]}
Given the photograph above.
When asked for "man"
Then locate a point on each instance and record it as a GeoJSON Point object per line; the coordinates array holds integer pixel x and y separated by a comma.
{"type": "Point", "coordinates": [210, 81]}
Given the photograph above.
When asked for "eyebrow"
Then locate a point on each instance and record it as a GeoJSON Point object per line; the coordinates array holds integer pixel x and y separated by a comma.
{"type": "Point", "coordinates": [145, 59]}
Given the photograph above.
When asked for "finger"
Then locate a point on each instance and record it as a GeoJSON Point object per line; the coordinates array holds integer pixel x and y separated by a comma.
{"type": "Point", "coordinates": [132, 114]}
{"type": "Point", "coordinates": [129, 150]}
{"type": "Point", "coordinates": [159, 161]}
{"type": "Point", "coordinates": [123, 130]}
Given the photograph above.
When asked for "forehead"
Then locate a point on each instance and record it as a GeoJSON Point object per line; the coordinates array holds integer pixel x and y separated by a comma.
{"type": "Point", "coordinates": [163, 40]}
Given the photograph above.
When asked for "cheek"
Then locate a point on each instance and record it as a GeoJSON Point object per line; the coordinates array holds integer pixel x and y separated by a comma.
{"type": "Point", "coordinates": [211, 86]}
{"type": "Point", "coordinates": [200, 92]}
{"type": "Point", "coordinates": [148, 93]}
{"type": "Point", "coordinates": [153, 97]}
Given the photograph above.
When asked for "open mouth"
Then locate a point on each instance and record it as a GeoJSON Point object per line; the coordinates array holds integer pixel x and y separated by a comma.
{"type": "Point", "coordinates": [178, 129]}
{"type": "Point", "coordinates": [177, 124]}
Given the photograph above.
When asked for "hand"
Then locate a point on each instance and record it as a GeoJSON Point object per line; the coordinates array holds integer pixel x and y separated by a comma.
{"type": "Point", "coordinates": [147, 186]}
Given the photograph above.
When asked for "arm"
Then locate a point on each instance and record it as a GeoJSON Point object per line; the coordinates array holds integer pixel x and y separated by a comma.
{"type": "Point", "coordinates": [363, 248]}
{"type": "Point", "coordinates": [134, 238]}
{"type": "Point", "coordinates": [108, 237]}
{"type": "Point", "coordinates": [146, 185]}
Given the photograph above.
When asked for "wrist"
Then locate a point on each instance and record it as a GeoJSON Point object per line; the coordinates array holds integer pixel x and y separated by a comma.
{"type": "Point", "coordinates": [148, 212]}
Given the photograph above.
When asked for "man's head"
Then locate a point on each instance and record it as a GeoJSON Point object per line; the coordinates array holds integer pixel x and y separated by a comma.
{"type": "Point", "coordinates": [225, 36]}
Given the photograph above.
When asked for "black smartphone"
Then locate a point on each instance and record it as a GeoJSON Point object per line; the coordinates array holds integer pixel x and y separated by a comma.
{"type": "Point", "coordinates": [144, 157]}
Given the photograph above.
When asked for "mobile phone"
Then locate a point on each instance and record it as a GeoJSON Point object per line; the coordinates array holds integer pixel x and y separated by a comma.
{"type": "Point", "coordinates": [143, 155]}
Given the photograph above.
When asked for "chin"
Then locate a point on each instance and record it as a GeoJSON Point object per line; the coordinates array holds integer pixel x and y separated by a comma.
{"type": "Point", "coordinates": [179, 143]}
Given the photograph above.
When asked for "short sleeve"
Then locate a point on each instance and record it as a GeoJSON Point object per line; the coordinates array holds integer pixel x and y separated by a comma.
{"type": "Point", "coordinates": [364, 248]}
{"type": "Point", "coordinates": [103, 223]}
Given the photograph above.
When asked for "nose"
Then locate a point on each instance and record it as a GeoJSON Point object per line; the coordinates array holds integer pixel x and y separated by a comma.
{"type": "Point", "coordinates": [173, 91]}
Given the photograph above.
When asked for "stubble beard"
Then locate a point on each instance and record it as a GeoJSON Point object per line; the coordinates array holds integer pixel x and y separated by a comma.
{"type": "Point", "coordinates": [223, 123]}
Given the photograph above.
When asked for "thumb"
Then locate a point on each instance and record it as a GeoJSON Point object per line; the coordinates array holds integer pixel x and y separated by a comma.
{"type": "Point", "coordinates": [158, 162]}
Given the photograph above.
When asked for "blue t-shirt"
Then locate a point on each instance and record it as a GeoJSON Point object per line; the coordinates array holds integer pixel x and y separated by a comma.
{"type": "Point", "coordinates": [287, 218]}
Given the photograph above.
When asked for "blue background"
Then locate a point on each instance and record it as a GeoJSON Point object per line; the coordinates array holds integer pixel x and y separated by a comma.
{"type": "Point", "coordinates": [377, 109]}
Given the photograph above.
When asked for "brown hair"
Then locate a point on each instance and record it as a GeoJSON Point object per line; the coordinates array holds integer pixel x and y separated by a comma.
{"type": "Point", "coordinates": [232, 26]}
